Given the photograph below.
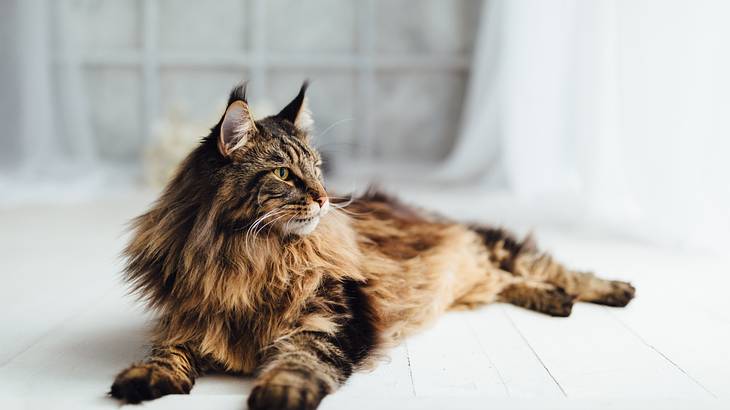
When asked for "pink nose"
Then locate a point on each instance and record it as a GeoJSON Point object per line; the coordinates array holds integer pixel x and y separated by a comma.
{"type": "Point", "coordinates": [321, 200]}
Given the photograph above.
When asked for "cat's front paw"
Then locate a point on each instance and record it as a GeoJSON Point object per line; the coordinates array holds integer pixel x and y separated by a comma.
{"type": "Point", "coordinates": [288, 389]}
{"type": "Point", "coordinates": [147, 382]}
{"type": "Point", "coordinates": [278, 397]}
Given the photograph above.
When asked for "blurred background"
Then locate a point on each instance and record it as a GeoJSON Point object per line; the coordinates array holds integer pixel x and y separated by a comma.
{"type": "Point", "coordinates": [608, 117]}
{"type": "Point", "coordinates": [603, 126]}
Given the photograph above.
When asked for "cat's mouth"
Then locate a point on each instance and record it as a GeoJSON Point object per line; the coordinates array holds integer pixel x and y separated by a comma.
{"type": "Point", "coordinates": [304, 220]}
{"type": "Point", "coordinates": [301, 225]}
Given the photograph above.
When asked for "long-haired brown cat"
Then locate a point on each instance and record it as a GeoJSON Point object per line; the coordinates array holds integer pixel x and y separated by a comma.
{"type": "Point", "coordinates": [253, 269]}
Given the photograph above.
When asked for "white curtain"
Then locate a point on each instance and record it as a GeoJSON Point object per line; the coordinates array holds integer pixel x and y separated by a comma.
{"type": "Point", "coordinates": [47, 147]}
{"type": "Point", "coordinates": [615, 112]}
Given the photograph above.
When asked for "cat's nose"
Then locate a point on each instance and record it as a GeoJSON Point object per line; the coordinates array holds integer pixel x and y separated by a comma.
{"type": "Point", "coordinates": [318, 194]}
{"type": "Point", "coordinates": [321, 200]}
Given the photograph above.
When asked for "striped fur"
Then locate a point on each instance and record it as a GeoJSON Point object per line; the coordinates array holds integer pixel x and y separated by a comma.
{"type": "Point", "coordinates": [236, 289]}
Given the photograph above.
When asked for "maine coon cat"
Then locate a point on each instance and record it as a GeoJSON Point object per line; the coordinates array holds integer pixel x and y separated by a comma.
{"type": "Point", "coordinates": [253, 268]}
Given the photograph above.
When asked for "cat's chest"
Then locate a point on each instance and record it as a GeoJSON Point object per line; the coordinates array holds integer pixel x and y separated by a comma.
{"type": "Point", "coordinates": [234, 341]}
{"type": "Point", "coordinates": [251, 309]}
{"type": "Point", "coordinates": [234, 337]}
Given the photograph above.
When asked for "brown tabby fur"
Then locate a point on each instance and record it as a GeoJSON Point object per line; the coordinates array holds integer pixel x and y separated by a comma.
{"type": "Point", "coordinates": [303, 311]}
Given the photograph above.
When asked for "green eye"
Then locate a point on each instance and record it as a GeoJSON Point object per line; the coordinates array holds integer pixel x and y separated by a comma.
{"type": "Point", "coordinates": [281, 173]}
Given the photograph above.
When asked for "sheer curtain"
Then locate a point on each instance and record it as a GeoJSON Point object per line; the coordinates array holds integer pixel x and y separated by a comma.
{"type": "Point", "coordinates": [615, 112]}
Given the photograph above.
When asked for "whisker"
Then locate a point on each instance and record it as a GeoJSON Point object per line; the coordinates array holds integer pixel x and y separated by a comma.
{"type": "Point", "coordinates": [326, 130]}
{"type": "Point", "coordinates": [341, 200]}
{"type": "Point", "coordinates": [286, 225]}
{"type": "Point", "coordinates": [353, 213]}
{"type": "Point", "coordinates": [343, 204]}
{"type": "Point", "coordinates": [255, 224]}
{"type": "Point", "coordinates": [269, 223]}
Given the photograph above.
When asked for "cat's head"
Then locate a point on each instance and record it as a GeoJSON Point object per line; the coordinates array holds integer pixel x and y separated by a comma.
{"type": "Point", "coordinates": [270, 175]}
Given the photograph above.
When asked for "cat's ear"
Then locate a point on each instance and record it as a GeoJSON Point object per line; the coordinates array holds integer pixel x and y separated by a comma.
{"type": "Point", "coordinates": [236, 127]}
{"type": "Point", "coordinates": [297, 111]}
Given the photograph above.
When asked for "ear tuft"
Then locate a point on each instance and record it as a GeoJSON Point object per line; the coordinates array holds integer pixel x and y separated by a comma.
{"type": "Point", "coordinates": [304, 120]}
{"type": "Point", "coordinates": [236, 127]}
{"type": "Point", "coordinates": [297, 111]}
{"type": "Point", "coordinates": [238, 93]}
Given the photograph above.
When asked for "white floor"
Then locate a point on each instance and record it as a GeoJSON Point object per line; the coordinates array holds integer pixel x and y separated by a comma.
{"type": "Point", "coordinates": [66, 328]}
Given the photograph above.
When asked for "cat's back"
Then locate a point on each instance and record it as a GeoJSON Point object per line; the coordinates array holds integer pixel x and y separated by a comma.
{"type": "Point", "coordinates": [411, 259]}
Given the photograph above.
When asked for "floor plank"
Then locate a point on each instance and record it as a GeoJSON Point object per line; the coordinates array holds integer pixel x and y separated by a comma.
{"type": "Point", "coordinates": [520, 371]}
{"type": "Point", "coordinates": [58, 261]}
{"type": "Point", "coordinates": [390, 377]}
{"type": "Point", "coordinates": [592, 355]}
{"type": "Point", "coordinates": [696, 343]}
{"type": "Point", "coordinates": [447, 359]}
{"type": "Point", "coordinates": [82, 356]}
{"type": "Point", "coordinates": [681, 307]}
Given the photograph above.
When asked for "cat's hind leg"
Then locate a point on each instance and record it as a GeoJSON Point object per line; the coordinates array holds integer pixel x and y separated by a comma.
{"type": "Point", "coordinates": [538, 296]}
{"type": "Point", "coordinates": [503, 286]}
{"type": "Point", "coordinates": [166, 370]}
{"type": "Point", "coordinates": [521, 258]}
{"type": "Point", "coordinates": [585, 286]}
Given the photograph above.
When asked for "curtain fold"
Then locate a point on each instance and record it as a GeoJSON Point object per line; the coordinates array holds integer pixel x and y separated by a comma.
{"type": "Point", "coordinates": [614, 112]}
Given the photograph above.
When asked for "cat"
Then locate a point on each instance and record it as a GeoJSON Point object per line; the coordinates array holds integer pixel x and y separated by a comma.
{"type": "Point", "coordinates": [253, 268]}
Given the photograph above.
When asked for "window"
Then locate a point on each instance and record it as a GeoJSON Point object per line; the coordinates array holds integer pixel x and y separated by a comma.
{"type": "Point", "coordinates": [388, 76]}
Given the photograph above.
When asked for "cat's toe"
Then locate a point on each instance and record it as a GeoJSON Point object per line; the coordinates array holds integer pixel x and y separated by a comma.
{"type": "Point", "coordinates": [144, 382]}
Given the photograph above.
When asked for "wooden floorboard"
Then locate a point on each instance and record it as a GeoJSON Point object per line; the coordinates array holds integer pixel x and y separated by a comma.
{"type": "Point", "coordinates": [55, 262]}
{"type": "Point", "coordinates": [447, 359]}
{"type": "Point", "coordinates": [391, 377]}
{"type": "Point", "coordinates": [519, 369]}
{"type": "Point", "coordinates": [592, 355]}
{"type": "Point", "coordinates": [695, 343]}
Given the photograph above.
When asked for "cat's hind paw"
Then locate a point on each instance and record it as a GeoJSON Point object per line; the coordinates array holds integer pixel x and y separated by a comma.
{"type": "Point", "coordinates": [620, 295]}
{"type": "Point", "coordinates": [558, 303]}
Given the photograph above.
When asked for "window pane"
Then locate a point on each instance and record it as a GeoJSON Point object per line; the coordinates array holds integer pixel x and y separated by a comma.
{"type": "Point", "coordinates": [417, 115]}
{"type": "Point", "coordinates": [204, 26]}
{"type": "Point", "coordinates": [312, 25]}
{"type": "Point", "coordinates": [426, 25]}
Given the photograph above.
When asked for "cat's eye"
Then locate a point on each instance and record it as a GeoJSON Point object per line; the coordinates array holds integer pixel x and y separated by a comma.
{"type": "Point", "coordinates": [281, 173]}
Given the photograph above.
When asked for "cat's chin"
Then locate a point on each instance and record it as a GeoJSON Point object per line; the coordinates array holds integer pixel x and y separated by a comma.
{"type": "Point", "coordinates": [301, 227]}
